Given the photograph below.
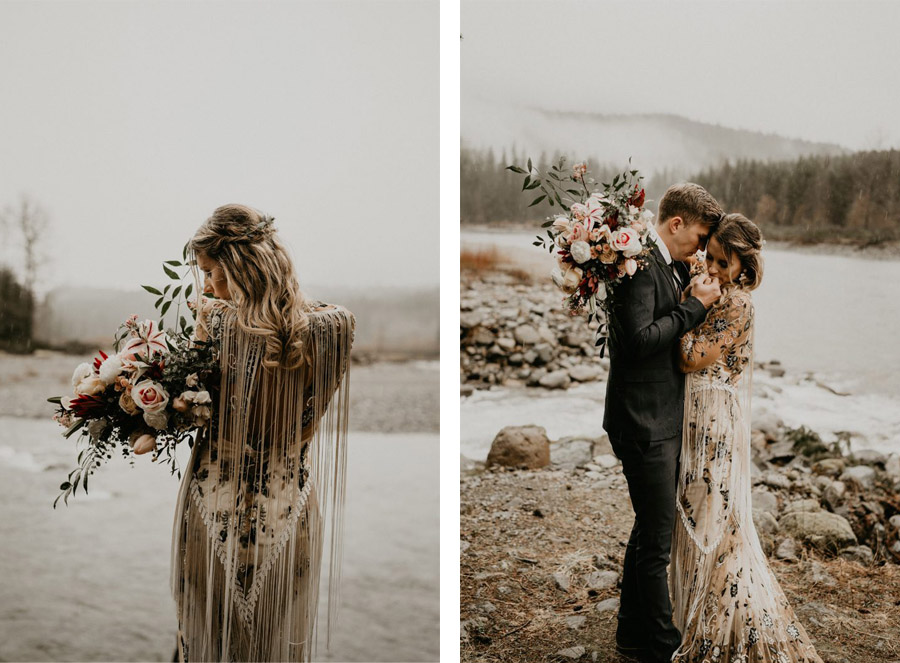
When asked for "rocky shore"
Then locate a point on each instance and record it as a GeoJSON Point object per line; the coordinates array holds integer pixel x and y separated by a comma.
{"type": "Point", "coordinates": [544, 526]}
{"type": "Point", "coordinates": [514, 333]}
{"type": "Point", "coordinates": [544, 523]}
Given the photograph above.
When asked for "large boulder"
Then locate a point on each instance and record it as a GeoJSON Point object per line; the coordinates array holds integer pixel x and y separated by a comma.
{"type": "Point", "coordinates": [520, 446]}
{"type": "Point", "coordinates": [572, 451]}
{"type": "Point", "coordinates": [824, 530]}
{"type": "Point", "coordinates": [556, 380]}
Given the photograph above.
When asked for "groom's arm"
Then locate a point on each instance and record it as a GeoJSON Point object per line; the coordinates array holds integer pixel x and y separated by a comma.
{"type": "Point", "coordinates": [642, 335]}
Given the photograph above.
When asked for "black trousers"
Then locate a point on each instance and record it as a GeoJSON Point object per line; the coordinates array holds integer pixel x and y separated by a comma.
{"type": "Point", "coordinates": [645, 609]}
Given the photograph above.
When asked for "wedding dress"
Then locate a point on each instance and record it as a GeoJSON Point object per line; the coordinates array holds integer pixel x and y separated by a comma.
{"type": "Point", "coordinates": [248, 533]}
{"type": "Point", "coordinates": [726, 602]}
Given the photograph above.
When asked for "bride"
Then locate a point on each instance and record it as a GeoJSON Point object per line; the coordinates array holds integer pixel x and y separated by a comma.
{"type": "Point", "coordinates": [726, 602]}
{"type": "Point", "coordinates": [248, 530]}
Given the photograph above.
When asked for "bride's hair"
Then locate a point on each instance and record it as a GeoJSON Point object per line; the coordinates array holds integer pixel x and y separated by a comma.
{"type": "Point", "coordinates": [740, 237]}
{"type": "Point", "coordinates": [260, 277]}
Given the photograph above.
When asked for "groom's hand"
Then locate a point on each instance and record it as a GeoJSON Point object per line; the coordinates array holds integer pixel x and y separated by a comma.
{"type": "Point", "coordinates": [706, 289]}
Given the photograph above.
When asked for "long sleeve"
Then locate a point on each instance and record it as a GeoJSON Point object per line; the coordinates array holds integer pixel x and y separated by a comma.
{"type": "Point", "coordinates": [726, 326]}
{"type": "Point", "coordinates": [638, 332]}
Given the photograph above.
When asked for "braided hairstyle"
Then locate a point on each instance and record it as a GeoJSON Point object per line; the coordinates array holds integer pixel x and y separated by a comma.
{"type": "Point", "coordinates": [260, 277]}
{"type": "Point", "coordinates": [739, 236]}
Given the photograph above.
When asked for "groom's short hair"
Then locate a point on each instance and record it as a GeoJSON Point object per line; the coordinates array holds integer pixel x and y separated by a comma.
{"type": "Point", "coordinates": [691, 202]}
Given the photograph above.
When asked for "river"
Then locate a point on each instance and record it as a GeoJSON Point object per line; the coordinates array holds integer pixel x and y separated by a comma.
{"type": "Point", "coordinates": [89, 582]}
{"type": "Point", "coordinates": [832, 317]}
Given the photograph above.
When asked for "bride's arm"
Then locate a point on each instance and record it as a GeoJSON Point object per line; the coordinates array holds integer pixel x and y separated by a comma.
{"type": "Point", "coordinates": [724, 326]}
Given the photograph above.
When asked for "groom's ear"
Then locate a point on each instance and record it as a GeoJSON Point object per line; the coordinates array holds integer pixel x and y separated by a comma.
{"type": "Point", "coordinates": [675, 223]}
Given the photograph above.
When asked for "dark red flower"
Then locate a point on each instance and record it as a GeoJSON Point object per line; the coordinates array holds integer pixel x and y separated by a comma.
{"type": "Point", "coordinates": [98, 360]}
{"type": "Point", "coordinates": [637, 199]}
{"type": "Point", "coordinates": [87, 407]}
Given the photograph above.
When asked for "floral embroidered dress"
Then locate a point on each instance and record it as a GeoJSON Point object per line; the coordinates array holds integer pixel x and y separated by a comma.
{"type": "Point", "coordinates": [248, 530]}
{"type": "Point", "coordinates": [726, 602]}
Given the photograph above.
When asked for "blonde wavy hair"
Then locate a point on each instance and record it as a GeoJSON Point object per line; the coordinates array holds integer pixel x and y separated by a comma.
{"type": "Point", "coordinates": [260, 277]}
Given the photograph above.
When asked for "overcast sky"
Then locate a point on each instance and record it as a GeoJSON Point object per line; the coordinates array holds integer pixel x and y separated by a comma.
{"type": "Point", "coordinates": [821, 71]}
{"type": "Point", "coordinates": [130, 122]}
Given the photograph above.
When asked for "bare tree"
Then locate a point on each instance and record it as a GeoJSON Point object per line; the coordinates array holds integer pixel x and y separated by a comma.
{"type": "Point", "coordinates": [31, 221]}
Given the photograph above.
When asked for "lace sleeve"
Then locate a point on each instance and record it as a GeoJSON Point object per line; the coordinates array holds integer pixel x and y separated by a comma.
{"type": "Point", "coordinates": [727, 324]}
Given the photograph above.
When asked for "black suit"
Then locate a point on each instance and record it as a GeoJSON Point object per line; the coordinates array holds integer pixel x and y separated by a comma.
{"type": "Point", "coordinates": [643, 416]}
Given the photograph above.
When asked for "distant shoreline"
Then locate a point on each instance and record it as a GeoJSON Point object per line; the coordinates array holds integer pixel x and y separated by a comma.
{"type": "Point", "coordinates": [883, 251]}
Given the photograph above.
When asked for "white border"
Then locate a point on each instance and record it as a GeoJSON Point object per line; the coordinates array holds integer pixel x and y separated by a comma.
{"type": "Point", "coordinates": [449, 207]}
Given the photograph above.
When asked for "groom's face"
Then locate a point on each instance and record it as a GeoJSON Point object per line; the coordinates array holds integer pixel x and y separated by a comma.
{"type": "Point", "coordinates": [688, 238]}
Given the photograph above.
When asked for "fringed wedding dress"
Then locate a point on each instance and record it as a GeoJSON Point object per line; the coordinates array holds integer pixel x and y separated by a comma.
{"type": "Point", "coordinates": [726, 602]}
{"type": "Point", "coordinates": [248, 533]}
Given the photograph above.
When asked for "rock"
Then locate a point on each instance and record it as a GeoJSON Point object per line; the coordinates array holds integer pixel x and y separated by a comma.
{"type": "Point", "coordinates": [831, 467]}
{"type": "Point", "coordinates": [466, 464]}
{"type": "Point", "coordinates": [545, 353]}
{"type": "Point", "coordinates": [859, 554]}
{"type": "Point", "coordinates": [571, 451]}
{"type": "Point", "coordinates": [608, 605]}
{"type": "Point", "coordinates": [555, 380]}
{"type": "Point", "coordinates": [602, 445]}
{"type": "Point", "coordinates": [526, 335]}
{"type": "Point", "coordinates": [763, 500]}
{"type": "Point", "coordinates": [892, 466]}
{"type": "Point", "coordinates": [561, 580]}
{"type": "Point", "coordinates": [470, 320]}
{"type": "Point", "coordinates": [776, 479]}
{"type": "Point", "coordinates": [463, 546]}
{"type": "Point", "coordinates": [834, 494]}
{"type": "Point", "coordinates": [482, 336]}
{"type": "Point", "coordinates": [896, 547]}
{"type": "Point", "coordinates": [809, 506]}
{"type": "Point", "coordinates": [520, 446]}
{"type": "Point", "coordinates": [506, 343]}
{"type": "Point", "coordinates": [895, 522]}
{"type": "Point", "coordinates": [516, 359]}
{"type": "Point", "coordinates": [466, 390]}
{"type": "Point", "coordinates": [765, 522]}
{"type": "Point", "coordinates": [817, 574]}
{"type": "Point", "coordinates": [787, 550]}
{"type": "Point", "coordinates": [584, 373]}
{"type": "Point", "coordinates": [862, 476]}
{"type": "Point", "coordinates": [575, 622]}
{"type": "Point", "coordinates": [573, 653]}
{"type": "Point", "coordinates": [781, 452]}
{"type": "Point", "coordinates": [487, 607]}
{"type": "Point", "coordinates": [600, 580]}
{"type": "Point", "coordinates": [530, 357]}
{"type": "Point", "coordinates": [534, 379]}
{"type": "Point", "coordinates": [870, 457]}
{"type": "Point", "coordinates": [606, 460]}
{"type": "Point", "coordinates": [575, 339]}
{"type": "Point", "coordinates": [826, 531]}
{"type": "Point", "coordinates": [775, 371]}
{"type": "Point", "coordinates": [767, 421]}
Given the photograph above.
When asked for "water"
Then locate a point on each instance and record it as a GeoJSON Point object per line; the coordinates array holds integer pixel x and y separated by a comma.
{"type": "Point", "coordinates": [89, 582]}
{"type": "Point", "coordinates": [828, 315]}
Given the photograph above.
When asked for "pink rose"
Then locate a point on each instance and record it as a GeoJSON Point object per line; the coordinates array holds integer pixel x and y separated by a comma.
{"type": "Point", "coordinates": [627, 241]}
{"type": "Point", "coordinates": [579, 233]}
{"type": "Point", "coordinates": [149, 396]}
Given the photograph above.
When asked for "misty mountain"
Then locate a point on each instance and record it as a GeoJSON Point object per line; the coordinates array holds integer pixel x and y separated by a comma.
{"type": "Point", "coordinates": [393, 322]}
{"type": "Point", "coordinates": [655, 142]}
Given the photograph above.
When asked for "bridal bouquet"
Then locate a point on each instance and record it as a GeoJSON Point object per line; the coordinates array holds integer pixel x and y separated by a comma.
{"type": "Point", "coordinates": [600, 237]}
{"type": "Point", "coordinates": [154, 392]}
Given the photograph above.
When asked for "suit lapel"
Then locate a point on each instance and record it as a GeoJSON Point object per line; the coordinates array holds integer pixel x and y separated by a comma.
{"type": "Point", "coordinates": [666, 274]}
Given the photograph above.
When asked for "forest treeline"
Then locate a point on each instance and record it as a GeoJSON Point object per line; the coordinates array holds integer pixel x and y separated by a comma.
{"type": "Point", "coordinates": [847, 199]}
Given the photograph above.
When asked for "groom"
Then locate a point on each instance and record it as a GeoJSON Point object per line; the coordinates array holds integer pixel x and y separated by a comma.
{"type": "Point", "coordinates": [645, 405]}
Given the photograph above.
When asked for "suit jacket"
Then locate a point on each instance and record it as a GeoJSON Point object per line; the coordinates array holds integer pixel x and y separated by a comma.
{"type": "Point", "coordinates": [645, 390]}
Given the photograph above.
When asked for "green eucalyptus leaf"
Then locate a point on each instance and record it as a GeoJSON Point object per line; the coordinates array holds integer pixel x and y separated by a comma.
{"type": "Point", "coordinates": [188, 290]}
{"type": "Point", "coordinates": [165, 308]}
{"type": "Point", "coordinates": [174, 263]}
{"type": "Point", "coordinates": [537, 200]}
{"type": "Point", "coordinates": [175, 292]}
{"type": "Point", "coordinates": [151, 290]}
{"type": "Point", "coordinates": [171, 274]}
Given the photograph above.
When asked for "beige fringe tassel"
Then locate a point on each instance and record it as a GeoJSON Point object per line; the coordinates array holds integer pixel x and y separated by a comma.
{"type": "Point", "coordinates": [251, 514]}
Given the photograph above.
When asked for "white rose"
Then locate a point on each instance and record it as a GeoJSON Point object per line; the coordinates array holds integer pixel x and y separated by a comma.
{"type": "Point", "coordinates": [82, 371]}
{"type": "Point", "coordinates": [90, 386]}
{"type": "Point", "coordinates": [192, 380]}
{"type": "Point", "coordinates": [157, 419]}
{"type": "Point", "coordinates": [561, 242]}
{"type": "Point", "coordinates": [557, 277]}
{"type": "Point", "coordinates": [561, 222]}
{"type": "Point", "coordinates": [572, 279]}
{"type": "Point", "coordinates": [202, 398]}
{"type": "Point", "coordinates": [627, 241]}
{"type": "Point", "coordinates": [149, 396]}
{"type": "Point", "coordinates": [581, 251]}
{"type": "Point", "coordinates": [110, 369]}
